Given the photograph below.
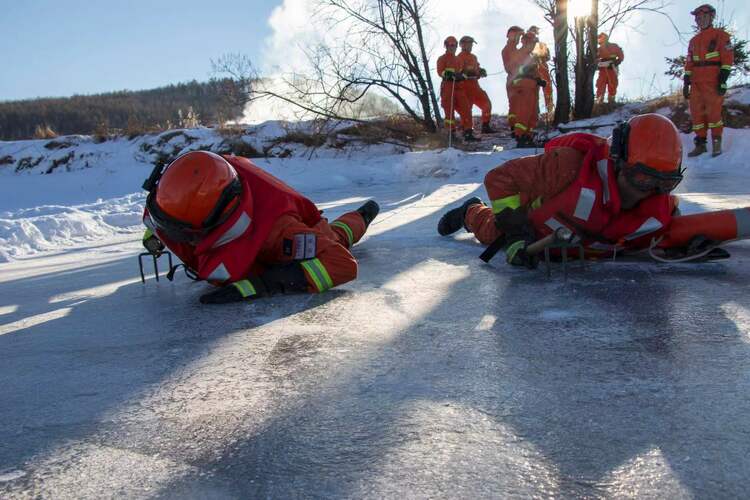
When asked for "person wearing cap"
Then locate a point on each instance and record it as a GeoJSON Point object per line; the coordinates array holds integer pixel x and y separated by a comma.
{"type": "Point", "coordinates": [709, 63]}
{"type": "Point", "coordinates": [243, 230]}
{"type": "Point", "coordinates": [542, 56]}
{"type": "Point", "coordinates": [524, 90]}
{"type": "Point", "coordinates": [452, 94]}
{"type": "Point", "coordinates": [469, 68]}
{"type": "Point", "coordinates": [510, 64]}
{"type": "Point", "coordinates": [610, 56]}
{"type": "Point", "coordinates": [613, 197]}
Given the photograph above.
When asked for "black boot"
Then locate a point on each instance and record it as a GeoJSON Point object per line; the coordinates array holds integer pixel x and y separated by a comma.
{"type": "Point", "coordinates": [469, 136]}
{"type": "Point", "coordinates": [523, 141]}
{"type": "Point", "coordinates": [700, 147]}
{"type": "Point", "coordinates": [369, 211]}
{"type": "Point", "coordinates": [487, 129]}
{"type": "Point", "coordinates": [453, 219]}
{"type": "Point", "coordinates": [716, 146]}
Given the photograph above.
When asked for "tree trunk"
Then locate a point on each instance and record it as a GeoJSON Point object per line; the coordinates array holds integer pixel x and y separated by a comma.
{"type": "Point", "coordinates": [423, 54]}
{"type": "Point", "coordinates": [562, 107]}
{"type": "Point", "coordinates": [586, 49]}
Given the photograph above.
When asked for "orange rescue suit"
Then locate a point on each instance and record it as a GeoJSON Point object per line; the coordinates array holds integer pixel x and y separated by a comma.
{"type": "Point", "coordinates": [448, 88]}
{"type": "Point", "coordinates": [469, 66]}
{"type": "Point", "coordinates": [610, 56]}
{"type": "Point", "coordinates": [708, 52]}
{"type": "Point", "coordinates": [524, 90]}
{"type": "Point", "coordinates": [510, 63]}
{"type": "Point", "coordinates": [541, 53]}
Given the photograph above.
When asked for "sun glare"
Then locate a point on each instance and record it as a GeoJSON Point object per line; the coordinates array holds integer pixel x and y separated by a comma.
{"type": "Point", "coordinates": [579, 8]}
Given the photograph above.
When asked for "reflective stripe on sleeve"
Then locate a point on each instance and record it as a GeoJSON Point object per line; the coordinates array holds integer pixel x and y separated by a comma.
{"type": "Point", "coordinates": [726, 66]}
{"type": "Point", "coordinates": [343, 226]}
{"type": "Point", "coordinates": [317, 272]}
{"type": "Point", "coordinates": [521, 126]}
{"type": "Point", "coordinates": [147, 233]}
{"type": "Point", "coordinates": [512, 202]}
{"type": "Point", "coordinates": [245, 288]}
{"type": "Point", "coordinates": [716, 125]}
{"type": "Point", "coordinates": [711, 55]}
{"type": "Point", "coordinates": [688, 73]}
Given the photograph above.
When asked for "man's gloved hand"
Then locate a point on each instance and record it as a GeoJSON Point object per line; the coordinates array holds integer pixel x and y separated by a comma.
{"type": "Point", "coordinates": [542, 83]}
{"type": "Point", "coordinates": [247, 289]}
{"type": "Point", "coordinates": [686, 87]}
{"type": "Point", "coordinates": [723, 77]}
{"type": "Point", "coordinates": [482, 73]}
{"type": "Point", "coordinates": [604, 64]}
{"type": "Point", "coordinates": [449, 75]}
{"type": "Point", "coordinates": [514, 223]}
{"type": "Point", "coordinates": [152, 243]}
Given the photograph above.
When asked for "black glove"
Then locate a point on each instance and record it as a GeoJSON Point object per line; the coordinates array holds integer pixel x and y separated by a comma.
{"type": "Point", "coordinates": [152, 243]}
{"type": "Point", "coordinates": [686, 87]}
{"type": "Point", "coordinates": [482, 72]}
{"type": "Point", "coordinates": [519, 233]}
{"type": "Point", "coordinates": [449, 75]}
{"type": "Point", "coordinates": [276, 280]}
{"type": "Point", "coordinates": [723, 77]}
{"type": "Point", "coordinates": [459, 77]}
{"type": "Point", "coordinates": [541, 83]}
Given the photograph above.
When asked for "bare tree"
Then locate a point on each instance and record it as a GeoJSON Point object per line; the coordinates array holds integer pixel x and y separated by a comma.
{"type": "Point", "coordinates": [556, 14]}
{"type": "Point", "coordinates": [586, 32]}
{"type": "Point", "coordinates": [377, 45]}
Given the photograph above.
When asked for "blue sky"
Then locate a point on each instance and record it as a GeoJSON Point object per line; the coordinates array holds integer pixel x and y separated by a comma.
{"type": "Point", "coordinates": [53, 48]}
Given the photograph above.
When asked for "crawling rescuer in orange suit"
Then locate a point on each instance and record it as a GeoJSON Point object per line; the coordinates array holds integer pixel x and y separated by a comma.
{"type": "Point", "coordinates": [613, 198]}
{"type": "Point", "coordinates": [242, 229]}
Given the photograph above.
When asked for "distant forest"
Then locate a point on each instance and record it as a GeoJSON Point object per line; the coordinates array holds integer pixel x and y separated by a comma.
{"type": "Point", "coordinates": [125, 112]}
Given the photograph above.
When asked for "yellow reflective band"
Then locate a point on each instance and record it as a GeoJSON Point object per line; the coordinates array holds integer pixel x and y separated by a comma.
{"type": "Point", "coordinates": [711, 55]}
{"type": "Point", "coordinates": [245, 288]}
{"type": "Point", "coordinates": [536, 203]}
{"type": "Point", "coordinates": [147, 234]}
{"type": "Point", "coordinates": [699, 126]}
{"type": "Point", "coordinates": [726, 66]}
{"type": "Point", "coordinates": [511, 115]}
{"type": "Point", "coordinates": [696, 58]}
{"type": "Point", "coordinates": [450, 122]}
{"type": "Point", "coordinates": [513, 249]}
{"type": "Point", "coordinates": [688, 73]}
{"type": "Point", "coordinates": [716, 125]}
{"type": "Point", "coordinates": [521, 126]}
{"type": "Point", "coordinates": [512, 202]}
{"type": "Point", "coordinates": [346, 229]}
{"type": "Point", "coordinates": [318, 274]}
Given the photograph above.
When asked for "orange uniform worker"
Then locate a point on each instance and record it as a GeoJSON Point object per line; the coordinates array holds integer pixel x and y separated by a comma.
{"type": "Point", "coordinates": [709, 62]}
{"type": "Point", "coordinates": [472, 72]}
{"type": "Point", "coordinates": [510, 63]}
{"type": "Point", "coordinates": [610, 57]}
{"type": "Point", "coordinates": [542, 56]}
{"type": "Point", "coordinates": [240, 228]}
{"type": "Point", "coordinates": [452, 95]}
{"type": "Point", "coordinates": [613, 198]}
{"type": "Point", "coordinates": [524, 91]}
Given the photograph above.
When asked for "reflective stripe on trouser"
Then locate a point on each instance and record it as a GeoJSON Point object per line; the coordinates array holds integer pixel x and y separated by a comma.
{"type": "Point", "coordinates": [527, 108]}
{"type": "Point", "coordinates": [317, 273]}
{"type": "Point", "coordinates": [459, 105]}
{"type": "Point", "coordinates": [349, 228]}
{"type": "Point", "coordinates": [705, 109]}
{"type": "Point", "coordinates": [507, 202]}
{"type": "Point", "coordinates": [607, 80]}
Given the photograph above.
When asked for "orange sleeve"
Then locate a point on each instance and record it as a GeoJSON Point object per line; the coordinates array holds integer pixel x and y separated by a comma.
{"type": "Point", "coordinates": [530, 180]}
{"type": "Point", "coordinates": [441, 66]}
{"type": "Point", "coordinates": [689, 59]}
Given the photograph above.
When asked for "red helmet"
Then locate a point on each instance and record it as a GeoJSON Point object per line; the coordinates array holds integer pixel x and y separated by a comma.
{"type": "Point", "coordinates": [452, 40]}
{"type": "Point", "coordinates": [196, 193]}
{"type": "Point", "coordinates": [648, 149]}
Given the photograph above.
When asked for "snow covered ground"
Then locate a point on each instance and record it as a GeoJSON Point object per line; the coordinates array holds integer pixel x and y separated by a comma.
{"type": "Point", "coordinates": [432, 375]}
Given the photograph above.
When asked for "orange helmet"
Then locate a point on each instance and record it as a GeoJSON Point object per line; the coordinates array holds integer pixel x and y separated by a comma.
{"type": "Point", "coordinates": [467, 38]}
{"type": "Point", "coordinates": [602, 37]}
{"type": "Point", "coordinates": [648, 150]}
{"type": "Point", "coordinates": [451, 40]}
{"type": "Point", "coordinates": [529, 37]}
{"type": "Point", "coordinates": [196, 193]}
{"type": "Point", "coordinates": [534, 29]}
{"type": "Point", "coordinates": [513, 30]}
